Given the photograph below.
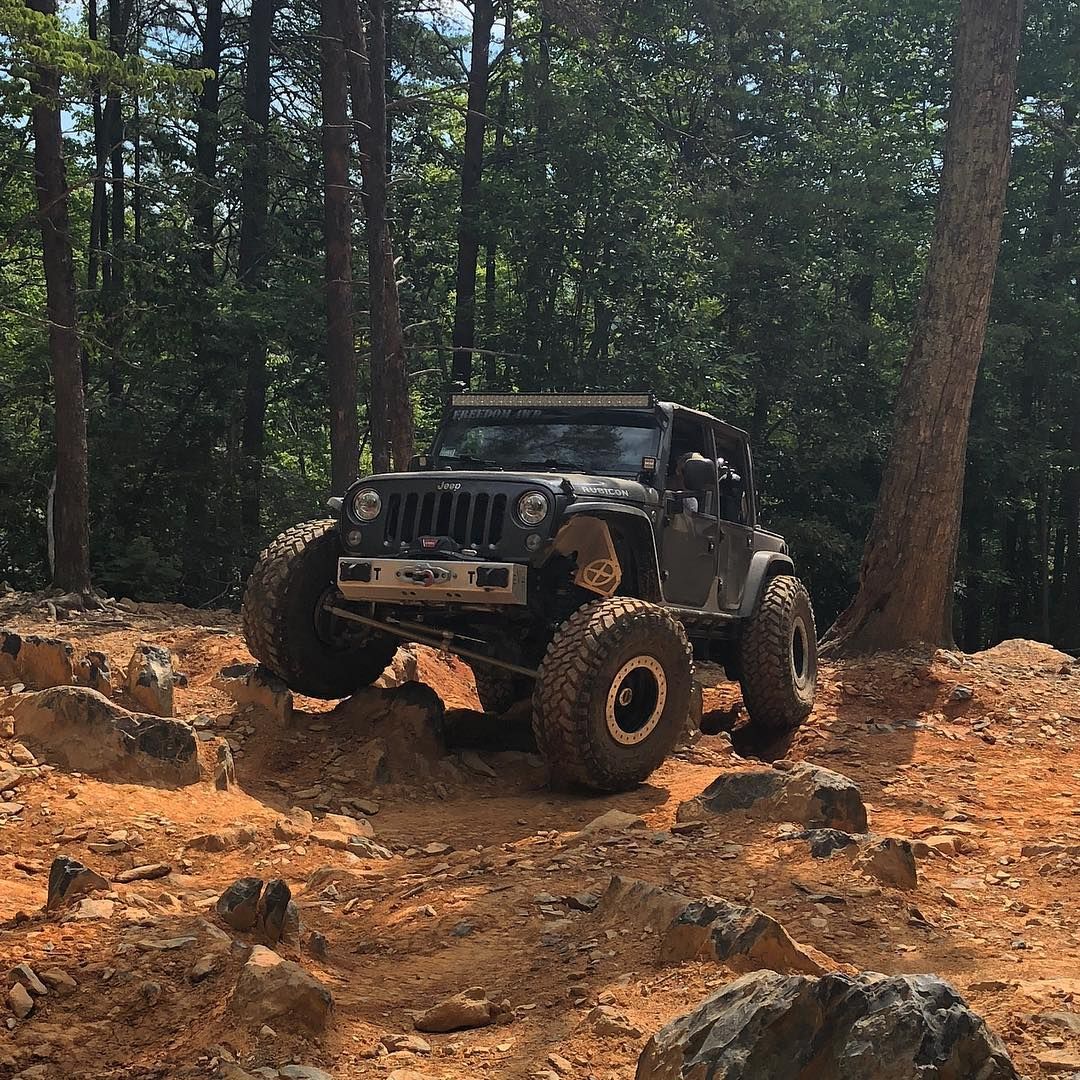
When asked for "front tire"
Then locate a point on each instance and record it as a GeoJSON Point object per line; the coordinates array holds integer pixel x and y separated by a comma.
{"type": "Point", "coordinates": [613, 694]}
{"type": "Point", "coordinates": [285, 626]}
{"type": "Point", "coordinates": [498, 688]}
{"type": "Point", "coordinates": [778, 659]}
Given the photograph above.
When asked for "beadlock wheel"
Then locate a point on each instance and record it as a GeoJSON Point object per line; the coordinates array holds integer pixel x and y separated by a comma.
{"type": "Point", "coordinates": [636, 700]}
{"type": "Point", "coordinates": [612, 694]}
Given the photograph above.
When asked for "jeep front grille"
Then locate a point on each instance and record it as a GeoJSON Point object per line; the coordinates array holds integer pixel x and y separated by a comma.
{"type": "Point", "coordinates": [472, 520]}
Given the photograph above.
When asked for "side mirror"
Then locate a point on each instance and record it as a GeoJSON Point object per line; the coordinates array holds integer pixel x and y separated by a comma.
{"type": "Point", "coordinates": [699, 474]}
{"type": "Point", "coordinates": [418, 462]}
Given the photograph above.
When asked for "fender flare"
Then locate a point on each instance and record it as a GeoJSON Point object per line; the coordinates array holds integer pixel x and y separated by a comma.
{"type": "Point", "coordinates": [764, 566]}
{"type": "Point", "coordinates": [641, 521]}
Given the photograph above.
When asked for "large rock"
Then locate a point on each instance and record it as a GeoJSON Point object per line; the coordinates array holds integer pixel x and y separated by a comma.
{"type": "Point", "coordinates": [150, 680]}
{"type": "Point", "coordinates": [250, 684]}
{"type": "Point", "coordinates": [815, 797]}
{"type": "Point", "coordinates": [238, 905]}
{"type": "Point", "coordinates": [470, 1009]}
{"type": "Point", "coordinates": [83, 730]}
{"type": "Point", "coordinates": [70, 880]}
{"type": "Point", "coordinates": [36, 662]}
{"type": "Point", "coordinates": [94, 671]}
{"type": "Point", "coordinates": [766, 1026]}
{"type": "Point", "coordinates": [891, 861]}
{"type": "Point", "coordinates": [396, 736]}
{"type": "Point", "coordinates": [270, 988]}
{"type": "Point", "coordinates": [403, 668]}
{"type": "Point", "coordinates": [743, 938]}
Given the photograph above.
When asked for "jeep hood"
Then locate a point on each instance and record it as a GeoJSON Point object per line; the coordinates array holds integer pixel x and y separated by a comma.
{"type": "Point", "coordinates": [580, 485]}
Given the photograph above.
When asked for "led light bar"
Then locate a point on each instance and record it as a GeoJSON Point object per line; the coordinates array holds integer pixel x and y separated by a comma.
{"type": "Point", "coordinates": [596, 401]}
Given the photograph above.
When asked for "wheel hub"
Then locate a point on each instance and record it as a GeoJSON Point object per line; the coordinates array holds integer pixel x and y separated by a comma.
{"type": "Point", "coordinates": [800, 653]}
{"type": "Point", "coordinates": [636, 700]}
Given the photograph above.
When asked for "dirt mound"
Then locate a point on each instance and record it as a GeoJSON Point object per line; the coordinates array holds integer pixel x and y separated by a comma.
{"type": "Point", "coordinates": [1020, 652]}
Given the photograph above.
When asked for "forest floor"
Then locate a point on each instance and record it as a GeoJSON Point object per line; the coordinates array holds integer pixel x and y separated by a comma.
{"type": "Point", "coordinates": [998, 771]}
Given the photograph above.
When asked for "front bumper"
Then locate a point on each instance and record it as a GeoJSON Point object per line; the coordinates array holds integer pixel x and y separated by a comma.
{"type": "Point", "coordinates": [418, 581]}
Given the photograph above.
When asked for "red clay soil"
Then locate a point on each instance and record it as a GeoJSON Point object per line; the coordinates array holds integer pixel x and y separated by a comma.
{"type": "Point", "coordinates": [998, 770]}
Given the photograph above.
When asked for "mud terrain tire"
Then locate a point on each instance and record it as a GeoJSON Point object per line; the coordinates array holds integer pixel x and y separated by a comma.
{"type": "Point", "coordinates": [498, 688]}
{"type": "Point", "coordinates": [778, 659]}
{"type": "Point", "coordinates": [613, 694]}
{"type": "Point", "coordinates": [282, 632]}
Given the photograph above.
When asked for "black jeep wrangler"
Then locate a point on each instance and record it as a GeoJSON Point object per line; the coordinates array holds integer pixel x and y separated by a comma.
{"type": "Point", "coordinates": [583, 548]}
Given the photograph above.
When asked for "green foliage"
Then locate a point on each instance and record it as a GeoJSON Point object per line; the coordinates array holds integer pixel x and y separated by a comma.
{"type": "Point", "coordinates": [728, 203]}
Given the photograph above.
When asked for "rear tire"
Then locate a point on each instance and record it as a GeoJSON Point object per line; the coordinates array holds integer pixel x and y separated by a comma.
{"type": "Point", "coordinates": [498, 688]}
{"type": "Point", "coordinates": [313, 653]}
{"type": "Point", "coordinates": [613, 694]}
{"type": "Point", "coordinates": [778, 659]}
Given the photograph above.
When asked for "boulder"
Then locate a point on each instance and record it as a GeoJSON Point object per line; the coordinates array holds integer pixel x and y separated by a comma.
{"type": "Point", "coordinates": [229, 839]}
{"type": "Point", "coordinates": [36, 662]}
{"type": "Point", "coordinates": [743, 938]}
{"type": "Point", "coordinates": [270, 988]}
{"type": "Point", "coordinates": [238, 906]}
{"type": "Point", "coordinates": [251, 684]}
{"type": "Point", "coordinates": [796, 1027]}
{"type": "Point", "coordinates": [891, 861]}
{"type": "Point", "coordinates": [150, 680]}
{"type": "Point", "coordinates": [94, 671]}
{"type": "Point", "coordinates": [613, 821]}
{"type": "Point", "coordinates": [817, 798]}
{"type": "Point", "coordinates": [823, 842]}
{"type": "Point", "coordinates": [59, 981]}
{"type": "Point", "coordinates": [607, 1021]}
{"type": "Point", "coordinates": [471, 1008]}
{"type": "Point", "coordinates": [70, 880]}
{"type": "Point", "coordinates": [403, 668]}
{"type": "Point", "coordinates": [224, 769]}
{"type": "Point", "coordinates": [85, 731]}
{"type": "Point", "coordinates": [295, 825]}
{"type": "Point", "coordinates": [397, 735]}
{"type": "Point", "coordinates": [24, 973]}
{"type": "Point", "coordinates": [272, 915]}
{"type": "Point", "coordinates": [20, 1001]}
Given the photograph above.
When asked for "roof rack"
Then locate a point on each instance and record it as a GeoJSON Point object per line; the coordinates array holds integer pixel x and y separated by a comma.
{"type": "Point", "coordinates": [596, 401]}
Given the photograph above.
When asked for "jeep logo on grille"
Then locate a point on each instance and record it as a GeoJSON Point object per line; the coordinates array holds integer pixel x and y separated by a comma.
{"type": "Point", "coordinates": [447, 485]}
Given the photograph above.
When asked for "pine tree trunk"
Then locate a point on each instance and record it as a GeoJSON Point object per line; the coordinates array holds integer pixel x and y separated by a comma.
{"type": "Point", "coordinates": [337, 224]}
{"type": "Point", "coordinates": [905, 590]}
{"type": "Point", "coordinates": [251, 268]}
{"type": "Point", "coordinates": [119, 19]}
{"type": "Point", "coordinates": [390, 411]}
{"type": "Point", "coordinates": [99, 211]}
{"type": "Point", "coordinates": [71, 567]}
{"type": "Point", "coordinates": [468, 236]}
{"type": "Point", "coordinates": [206, 141]}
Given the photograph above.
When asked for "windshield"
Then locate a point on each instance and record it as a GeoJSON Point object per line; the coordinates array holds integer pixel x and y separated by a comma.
{"type": "Point", "coordinates": [611, 444]}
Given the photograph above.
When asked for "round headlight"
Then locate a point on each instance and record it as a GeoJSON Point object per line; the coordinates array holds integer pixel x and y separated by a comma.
{"type": "Point", "coordinates": [532, 507]}
{"type": "Point", "coordinates": [366, 504]}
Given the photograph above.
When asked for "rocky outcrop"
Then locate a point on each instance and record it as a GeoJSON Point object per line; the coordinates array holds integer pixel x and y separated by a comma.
{"type": "Point", "coordinates": [251, 684]}
{"type": "Point", "coordinates": [36, 662]}
{"type": "Point", "coordinates": [270, 988]}
{"type": "Point", "coordinates": [743, 938]}
{"type": "Point", "coordinates": [150, 680]}
{"type": "Point", "coordinates": [83, 730]}
{"type": "Point", "coordinates": [817, 798]}
{"type": "Point", "coordinates": [794, 1027]}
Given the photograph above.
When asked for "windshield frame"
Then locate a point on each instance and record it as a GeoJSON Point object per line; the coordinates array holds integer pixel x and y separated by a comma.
{"type": "Point", "coordinates": [646, 419]}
